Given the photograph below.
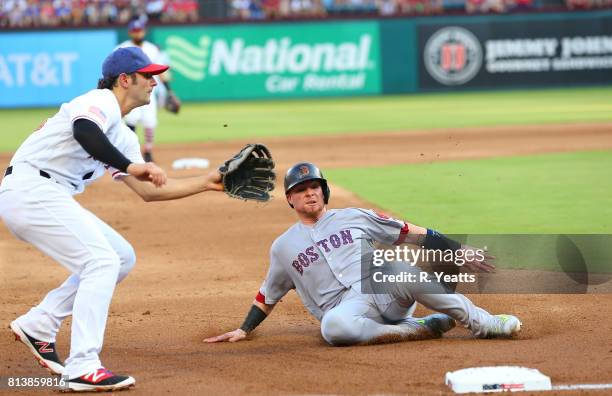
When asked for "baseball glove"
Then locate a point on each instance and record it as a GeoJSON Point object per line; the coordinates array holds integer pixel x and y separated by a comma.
{"type": "Point", "coordinates": [249, 175]}
{"type": "Point", "coordinates": [173, 104]}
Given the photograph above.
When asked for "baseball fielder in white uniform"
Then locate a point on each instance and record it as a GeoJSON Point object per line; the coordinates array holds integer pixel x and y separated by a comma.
{"type": "Point", "coordinates": [147, 114]}
{"type": "Point", "coordinates": [320, 257]}
{"type": "Point", "coordinates": [70, 150]}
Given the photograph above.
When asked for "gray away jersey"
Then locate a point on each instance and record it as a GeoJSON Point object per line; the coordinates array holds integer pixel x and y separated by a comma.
{"type": "Point", "coordinates": [322, 261]}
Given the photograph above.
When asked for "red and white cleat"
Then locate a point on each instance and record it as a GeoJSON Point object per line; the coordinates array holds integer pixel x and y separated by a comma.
{"type": "Point", "coordinates": [43, 351]}
{"type": "Point", "coordinates": [100, 380]}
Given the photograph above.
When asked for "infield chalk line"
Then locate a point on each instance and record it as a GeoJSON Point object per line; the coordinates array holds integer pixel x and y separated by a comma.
{"type": "Point", "coordinates": [582, 386]}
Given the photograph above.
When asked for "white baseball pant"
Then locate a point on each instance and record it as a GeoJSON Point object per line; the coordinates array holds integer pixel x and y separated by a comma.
{"type": "Point", "coordinates": [43, 213]}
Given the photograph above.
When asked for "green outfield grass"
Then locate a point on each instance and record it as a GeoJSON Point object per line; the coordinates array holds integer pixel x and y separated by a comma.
{"type": "Point", "coordinates": [565, 193]}
{"type": "Point", "coordinates": [233, 120]}
{"type": "Point", "coordinates": [550, 193]}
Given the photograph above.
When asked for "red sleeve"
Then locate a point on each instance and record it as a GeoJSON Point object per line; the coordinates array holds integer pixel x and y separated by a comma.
{"type": "Point", "coordinates": [402, 235]}
{"type": "Point", "coordinates": [260, 298]}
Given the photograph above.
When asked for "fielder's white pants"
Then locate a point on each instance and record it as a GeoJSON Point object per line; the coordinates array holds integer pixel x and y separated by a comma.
{"type": "Point", "coordinates": [43, 213]}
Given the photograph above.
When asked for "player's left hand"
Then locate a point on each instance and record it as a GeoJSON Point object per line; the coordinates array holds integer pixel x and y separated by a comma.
{"type": "Point", "coordinates": [480, 260]}
{"type": "Point", "coordinates": [173, 104]}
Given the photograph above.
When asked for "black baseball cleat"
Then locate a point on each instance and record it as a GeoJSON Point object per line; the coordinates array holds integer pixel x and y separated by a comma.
{"type": "Point", "coordinates": [148, 157]}
{"type": "Point", "coordinates": [44, 352]}
{"type": "Point", "coordinates": [100, 380]}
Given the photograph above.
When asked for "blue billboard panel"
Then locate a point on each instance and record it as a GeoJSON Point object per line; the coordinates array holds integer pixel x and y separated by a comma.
{"type": "Point", "coordinates": [49, 68]}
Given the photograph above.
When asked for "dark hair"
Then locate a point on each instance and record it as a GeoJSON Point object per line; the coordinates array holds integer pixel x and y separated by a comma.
{"type": "Point", "coordinates": [110, 82]}
{"type": "Point", "coordinates": [107, 82]}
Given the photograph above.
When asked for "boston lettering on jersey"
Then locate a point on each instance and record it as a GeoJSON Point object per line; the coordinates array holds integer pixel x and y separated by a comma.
{"type": "Point", "coordinates": [309, 255]}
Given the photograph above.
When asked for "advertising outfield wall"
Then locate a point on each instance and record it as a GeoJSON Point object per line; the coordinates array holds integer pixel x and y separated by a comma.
{"type": "Point", "coordinates": [325, 58]}
{"type": "Point", "coordinates": [341, 58]}
{"type": "Point", "coordinates": [534, 51]}
{"type": "Point", "coordinates": [274, 60]}
{"type": "Point", "coordinates": [49, 68]}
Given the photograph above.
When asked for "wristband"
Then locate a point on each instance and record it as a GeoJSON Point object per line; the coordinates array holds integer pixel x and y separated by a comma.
{"type": "Point", "coordinates": [253, 319]}
{"type": "Point", "coordinates": [436, 241]}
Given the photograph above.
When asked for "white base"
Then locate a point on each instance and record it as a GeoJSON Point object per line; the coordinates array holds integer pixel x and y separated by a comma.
{"type": "Point", "coordinates": [497, 379]}
{"type": "Point", "coordinates": [188, 163]}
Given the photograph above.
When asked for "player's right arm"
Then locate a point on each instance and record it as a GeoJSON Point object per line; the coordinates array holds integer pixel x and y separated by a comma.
{"type": "Point", "coordinates": [257, 314]}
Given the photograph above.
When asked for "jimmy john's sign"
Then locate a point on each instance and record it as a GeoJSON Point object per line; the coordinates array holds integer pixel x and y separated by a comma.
{"type": "Point", "coordinates": [540, 53]}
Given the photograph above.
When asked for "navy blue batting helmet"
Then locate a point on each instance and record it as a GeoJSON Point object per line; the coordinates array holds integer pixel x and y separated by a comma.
{"type": "Point", "coordinates": [305, 171]}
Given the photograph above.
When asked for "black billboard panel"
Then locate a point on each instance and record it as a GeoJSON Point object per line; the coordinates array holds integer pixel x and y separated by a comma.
{"type": "Point", "coordinates": [494, 54]}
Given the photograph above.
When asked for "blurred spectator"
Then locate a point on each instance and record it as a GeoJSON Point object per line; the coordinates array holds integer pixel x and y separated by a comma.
{"type": "Point", "coordinates": [352, 7]}
{"type": "Point", "coordinates": [426, 7]}
{"type": "Point", "coordinates": [387, 7]}
{"type": "Point", "coordinates": [300, 7]}
{"type": "Point", "coordinates": [154, 9]}
{"type": "Point", "coordinates": [78, 12]}
{"type": "Point", "coordinates": [256, 10]}
{"type": "Point", "coordinates": [91, 13]}
{"type": "Point", "coordinates": [47, 14]}
{"type": "Point", "coordinates": [240, 9]}
{"type": "Point", "coordinates": [124, 11]}
{"type": "Point", "coordinates": [578, 4]}
{"type": "Point", "coordinates": [484, 6]}
{"type": "Point", "coordinates": [31, 14]}
{"type": "Point", "coordinates": [63, 11]}
{"type": "Point", "coordinates": [183, 10]}
{"type": "Point", "coordinates": [16, 11]}
{"type": "Point", "coordinates": [271, 9]}
{"type": "Point", "coordinates": [519, 5]}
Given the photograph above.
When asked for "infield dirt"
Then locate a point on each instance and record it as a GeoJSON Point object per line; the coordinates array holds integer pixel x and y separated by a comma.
{"type": "Point", "coordinates": [201, 261]}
